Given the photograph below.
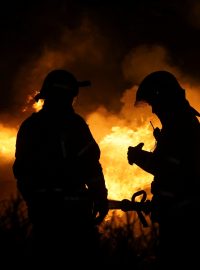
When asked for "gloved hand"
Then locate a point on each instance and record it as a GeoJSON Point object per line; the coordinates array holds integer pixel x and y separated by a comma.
{"type": "Point", "coordinates": [134, 152]}
{"type": "Point", "coordinates": [100, 210]}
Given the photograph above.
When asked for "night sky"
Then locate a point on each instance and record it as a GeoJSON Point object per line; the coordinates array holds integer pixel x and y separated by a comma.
{"type": "Point", "coordinates": [112, 43]}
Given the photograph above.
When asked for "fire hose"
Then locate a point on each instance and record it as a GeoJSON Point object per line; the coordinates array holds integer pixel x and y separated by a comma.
{"type": "Point", "coordinates": [141, 207]}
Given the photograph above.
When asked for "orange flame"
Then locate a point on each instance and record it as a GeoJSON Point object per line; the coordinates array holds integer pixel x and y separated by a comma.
{"type": "Point", "coordinates": [122, 179]}
{"type": "Point", "coordinates": [7, 143]}
{"type": "Point", "coordinates": [38, 105]}
{"type": "Point", "coordinates": [35, 105]}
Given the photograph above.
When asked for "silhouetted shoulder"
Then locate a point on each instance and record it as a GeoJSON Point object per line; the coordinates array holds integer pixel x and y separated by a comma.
{"type": "Point", "coordinates": [28, 123]}
{"type": "Point", "coordinates": [82, 122]}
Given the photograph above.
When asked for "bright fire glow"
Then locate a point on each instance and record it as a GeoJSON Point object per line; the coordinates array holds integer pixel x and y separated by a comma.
{"type": "Point", "coordinates": [35, 105]}
{"type": "Point", "coordinates": [7, 143]}
{"type": "Point", "coordinates": [123, 179]}
{"type": "Point", "coordinates": [38, 105]}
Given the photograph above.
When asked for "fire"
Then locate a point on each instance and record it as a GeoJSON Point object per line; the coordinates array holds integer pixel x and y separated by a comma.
{"type": "Point", "coordinates": [35, 105]}
{"type": "Point", "coordinates": [38, 105]}
{"type": "Point", "coordinates": [7, 143]}
{"type": "Point", "coordinates": [121, 178]}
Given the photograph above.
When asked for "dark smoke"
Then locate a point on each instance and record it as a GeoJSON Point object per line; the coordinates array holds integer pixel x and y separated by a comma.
{"type": "Point", "coordinates": [112, 43]}
{"type": "Point", "coordinates": [28, 28]}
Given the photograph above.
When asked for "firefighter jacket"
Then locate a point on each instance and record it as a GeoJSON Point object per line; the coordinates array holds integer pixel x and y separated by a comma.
{"type": "Point", "coordinates": [57, 154]}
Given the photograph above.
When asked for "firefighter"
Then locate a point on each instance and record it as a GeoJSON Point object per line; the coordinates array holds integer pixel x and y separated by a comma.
{"type": "Point", "coordinates": [175, 165]}
{"type": "Point", "coordinates": [59, 175]}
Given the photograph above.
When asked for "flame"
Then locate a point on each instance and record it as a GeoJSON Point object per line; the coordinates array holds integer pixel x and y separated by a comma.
{"type": "Point", "coordinates": [30, 100]}
{"type": "Point", "coordinates": [38, 105]}
{"type": "Point", "coordinates": [121, 178]}
{"type": "Point", "coordinates": [7, 143]}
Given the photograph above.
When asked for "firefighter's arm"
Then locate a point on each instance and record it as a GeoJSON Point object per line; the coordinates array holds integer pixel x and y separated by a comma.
{"type": "Point", "coordinates": [88, 158]}
{"type": "Point", "coordinates": [99, 195]}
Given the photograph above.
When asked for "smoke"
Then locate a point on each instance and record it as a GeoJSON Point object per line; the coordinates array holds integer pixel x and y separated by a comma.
{"type": "Point", "coordinates": [193, 13]}
{"type": "Point", "coordinates": [83, 52]}
{"type": "Point", "coordinates": [145, 59]}
{"type": "Point", "coordinates": [139, 62]}
{"type": "Point", "coordinates": [93, 46]}
{"type": "Point", "coordinates": [115, 52]}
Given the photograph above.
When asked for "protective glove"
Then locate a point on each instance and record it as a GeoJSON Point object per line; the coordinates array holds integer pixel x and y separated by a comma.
{"type": "Point", "coordinates": [134, 152]}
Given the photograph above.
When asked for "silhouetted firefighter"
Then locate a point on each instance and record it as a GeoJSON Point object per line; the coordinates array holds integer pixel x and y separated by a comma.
{"type": "Point", "coordinates": [175, 164]}
{"type": "Point", "coordinates": [59, 175]}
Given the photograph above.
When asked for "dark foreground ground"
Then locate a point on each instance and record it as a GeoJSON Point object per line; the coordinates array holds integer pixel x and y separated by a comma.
{"type": "Point", "coordinates": [124, 241]}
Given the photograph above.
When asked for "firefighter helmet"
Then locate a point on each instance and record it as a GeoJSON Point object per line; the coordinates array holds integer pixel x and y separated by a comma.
{"type": "Point", "coordinates": [60, 81]}
{"type": "Point", "coordinates": [159, 87]}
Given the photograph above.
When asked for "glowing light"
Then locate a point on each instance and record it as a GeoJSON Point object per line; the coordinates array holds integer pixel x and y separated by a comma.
{"type": "Point", "coordinates": [30, 102]}
{"type": "Point", "coordinates": [38, 105]}
{"type": "Point", "coordinates": [123, 179]}
{"type": "Point", "coordinates": [7, 143]}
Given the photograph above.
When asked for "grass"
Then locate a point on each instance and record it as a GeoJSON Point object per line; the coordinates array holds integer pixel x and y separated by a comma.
{"type": "Point", "coordinates": [124, 241]}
